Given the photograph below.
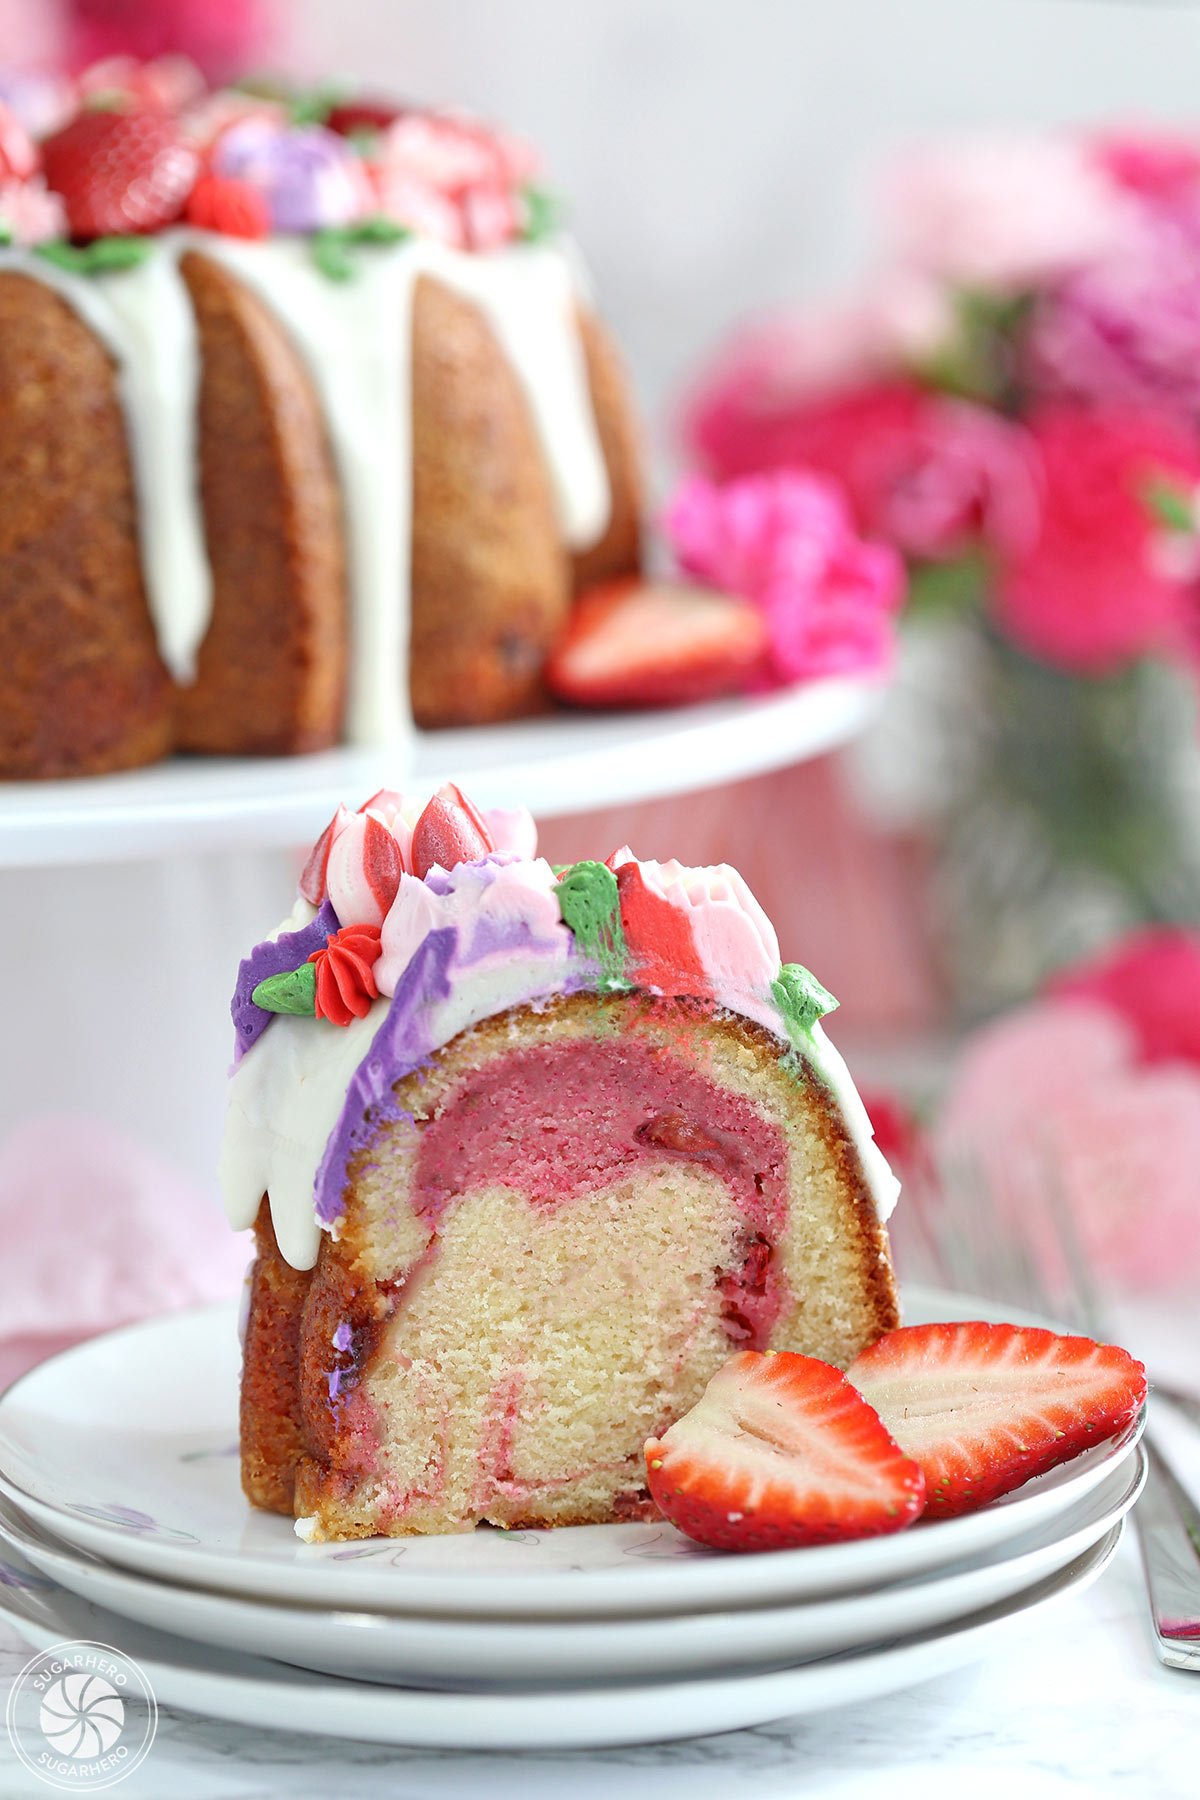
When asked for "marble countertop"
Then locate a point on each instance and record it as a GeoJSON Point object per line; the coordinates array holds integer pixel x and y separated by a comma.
{"type": "Point", "coordinates": [1080, 1709]}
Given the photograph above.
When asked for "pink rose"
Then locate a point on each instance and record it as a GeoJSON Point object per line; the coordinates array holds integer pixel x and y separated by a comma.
{"type": "Point", "coordinates": [931, 475]}
{"type": "Point", "coordinates": [1151, 979]}
{"type": "Point", "coordinates": [1153, 164]}
{"type": "Point", "coordinates": [1053, 1096]}
{"type": "Point", "coordinates": [1002, 213]}
{"type": "Point", "coordinates": [786, 542]}
{"type": "Point", "coordinates": [1090, 593]}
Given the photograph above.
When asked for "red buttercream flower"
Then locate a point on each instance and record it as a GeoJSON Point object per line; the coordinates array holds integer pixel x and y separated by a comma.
{"type": "Point", "coordinates": [659, 936]}
{"type": "Point", "coordinates": [346, 982]}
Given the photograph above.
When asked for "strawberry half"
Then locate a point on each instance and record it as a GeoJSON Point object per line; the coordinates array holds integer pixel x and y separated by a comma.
{"type": "Point", "coordinates": [120, 172]}
{"type": "Point", "coordinates": [984, 1408]}
{"type": "Point", "coordinates": [640, 643]}
{"type": "Point", "coordinates": [780, 1451]}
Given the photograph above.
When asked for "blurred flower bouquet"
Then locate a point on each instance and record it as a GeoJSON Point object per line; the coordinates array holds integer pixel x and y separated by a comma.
{"type": "Point", "coordinates": [1014, 406]}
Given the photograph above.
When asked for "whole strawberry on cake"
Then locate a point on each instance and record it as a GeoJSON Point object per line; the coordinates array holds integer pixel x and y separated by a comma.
{"type": "Point", "coordinates": [529, 1154]}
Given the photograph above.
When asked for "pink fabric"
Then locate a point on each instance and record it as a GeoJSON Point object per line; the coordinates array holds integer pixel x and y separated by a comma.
{"type": "Point", "coordinates": [97, 1232]}
{"type": "Point", "coordinates": [1053, 1093]}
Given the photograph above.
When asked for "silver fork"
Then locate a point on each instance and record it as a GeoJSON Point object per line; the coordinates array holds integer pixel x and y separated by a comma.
{"type": "Point", "coordinates": [1000, 1227]}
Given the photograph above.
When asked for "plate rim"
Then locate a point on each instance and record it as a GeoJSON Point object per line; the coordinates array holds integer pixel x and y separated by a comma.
{"type": "Point", "coordinates": [542, 1590]}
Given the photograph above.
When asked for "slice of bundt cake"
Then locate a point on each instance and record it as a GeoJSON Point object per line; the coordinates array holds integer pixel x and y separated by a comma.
{"type": "Point", "coordinates": [528, 1153]}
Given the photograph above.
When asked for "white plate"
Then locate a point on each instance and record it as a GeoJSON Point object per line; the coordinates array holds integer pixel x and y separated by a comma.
{"type": "Point", "coordinates": [566, 764]}
{"type": "Point", "coordinates": [126, 1447]}
{"type": "Point", "coordinates": [269, 1696]}
{"type": "Point", "coordinates": [451, 1653]}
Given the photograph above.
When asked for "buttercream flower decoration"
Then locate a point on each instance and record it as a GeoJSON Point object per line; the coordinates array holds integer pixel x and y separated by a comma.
{"type": "Point", "coordinates": [336, 983]}
{"type": "Point", "coordinates": [345, 974]}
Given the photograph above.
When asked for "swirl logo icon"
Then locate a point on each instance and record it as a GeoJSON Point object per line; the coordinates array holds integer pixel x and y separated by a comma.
{"type": "Point", "coordinates": [82, 1715]}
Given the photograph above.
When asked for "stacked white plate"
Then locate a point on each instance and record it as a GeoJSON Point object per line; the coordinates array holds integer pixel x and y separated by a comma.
{"type": "Point", "coordinates": [122, 1521]}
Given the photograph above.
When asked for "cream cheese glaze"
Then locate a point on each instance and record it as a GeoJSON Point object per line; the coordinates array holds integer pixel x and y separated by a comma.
{"type": "Point", "coordinates": [457, 948]}
{"type": "Point", "coordinates": [356, 339]}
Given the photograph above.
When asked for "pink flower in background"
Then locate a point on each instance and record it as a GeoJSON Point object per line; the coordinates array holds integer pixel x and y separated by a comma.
{"type": "Point", "coordinates": [740, 415]}
{"type": "Point", "coordinates": [1126, 330]}
{"type": "Point", "coordinates": [451, 178]}
{"type": "Point", "coordinates": [1004, 213]}
{"type": "Point", "coordinates": [786, 541]}
{"type": "Point", "coordinates": [930, 474]}
{"type": "Point", "coordinates": [1054, 1095]}
{"type": "Point", "coordinates": [1090, 593]}
{"type": "Point", "coordinates": [223, 37]}
{"type": "Point", "coordinates": [1151, 979]}
{"type": "Point", "coordinates": [1149, 162]}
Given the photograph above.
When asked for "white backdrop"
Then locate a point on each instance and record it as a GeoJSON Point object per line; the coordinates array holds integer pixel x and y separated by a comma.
{"type": "Point", "coordinates": [716, 153]}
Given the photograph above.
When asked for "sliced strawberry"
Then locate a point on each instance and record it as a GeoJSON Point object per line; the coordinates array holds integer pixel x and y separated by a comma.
{"type": "Point", "coordinates": [120, 172]}
{"type": "Point", "coordinates": [984, 1408]}
{"type": "Point", "coordinates": [780, 1451]}
{"type": "Point", "coordinates": [449, 831]}
{"type": "Point", "coordinates": [637, 643]}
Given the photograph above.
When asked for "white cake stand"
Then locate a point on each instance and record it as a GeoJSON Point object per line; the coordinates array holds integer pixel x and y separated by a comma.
{"type": "Point", "coordinates": [128, 900]}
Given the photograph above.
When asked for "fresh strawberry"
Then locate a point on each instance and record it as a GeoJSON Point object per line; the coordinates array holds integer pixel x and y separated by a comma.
{"type": "Point", "coordinates": [780, 1451]}
{"type": "Point", "coordinates": [120, 172]}
{"type": "Point", "coordinates": [640, 643]}
{"type": "Point", "coordinates": [448, 832]}
{"type": "Point", "coordinates": [234, 208]}
{"type": "Point", "coordinates": [984, 1408]}
{"type": "Point", "coordinates": [354, 116]}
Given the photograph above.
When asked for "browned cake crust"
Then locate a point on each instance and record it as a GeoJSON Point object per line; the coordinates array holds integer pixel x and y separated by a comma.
{"type": "Point", "coordinates": [84, 690]}
{"type": "Point", "coordinates": [295, 1459]}
{"type": "Point", "coordinates": [271, 675]}
{"type": "Point", "coordinates": [619, 551]}
{"type": "Point", "coordinates": [490, 588]}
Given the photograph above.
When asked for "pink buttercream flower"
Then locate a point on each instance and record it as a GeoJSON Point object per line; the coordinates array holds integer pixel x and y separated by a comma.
{"type": "Point", "coordinates": [1151, 979]}
{"type": "Point", "coordinates": [1052, 1097]}
{"type": "Point", "coordinates": [787, 543]}
{"type": "Point", "coordinates": [30, 213]}
{"type": "Point", "coordinates": [18, 153]}
{"type": "Point", "coordinates": [1125, 331]}
{"type": "Point", "coordinates": [309, 177]}
{"type": "Point", "coordinates": [932, 475]}
{"type": "Point", "coordinates": [1002, 212]}
{"type": "Point", "coordinates": [450, 178]}
{"type": "Point", "coordinates": [167, 82]}
{"type": "Point", "coordinates": [212, 115]}
{"type": "Point", "coordinates": [1090, 593]}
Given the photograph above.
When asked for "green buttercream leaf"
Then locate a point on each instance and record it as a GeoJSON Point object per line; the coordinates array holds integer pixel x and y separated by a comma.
{"type": "Point", "coordinates": [1169, 506]}
{"type": "Point", "coordinates": [5, 233]}
{"type": "Point", "coordinates": [378, 230]}
{"type": "Point", "coordinates": [801, 999]}
{"type": "Point", "coordinates": [330, 251]}
{"type": "Point", "coordinates": [543, 214]}
{"type": "Point", "coordinates": [590, 904]}
{"type": "Point", "coordinates": [295, 991]}
{"type": "Point", "coordinates": [312, 106]}
{"type": "Point", "coordinates": [100, 257]}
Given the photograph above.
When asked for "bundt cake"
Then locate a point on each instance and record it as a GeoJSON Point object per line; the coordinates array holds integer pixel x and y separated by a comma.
{"type": "Point", "coordinates": [528, 1154]}
{"type": "Point", "coordinates": [309, 430]}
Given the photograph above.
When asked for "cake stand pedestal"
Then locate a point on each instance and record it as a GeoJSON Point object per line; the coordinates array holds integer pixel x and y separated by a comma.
{"type": "Point", "coordinates": [127, 901]}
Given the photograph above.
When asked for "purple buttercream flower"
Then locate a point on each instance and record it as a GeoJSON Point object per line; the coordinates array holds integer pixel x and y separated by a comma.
{"type": "Point", "coordinates": [309, 177]}
{"type": "Point", "coordinates": [287, 951]}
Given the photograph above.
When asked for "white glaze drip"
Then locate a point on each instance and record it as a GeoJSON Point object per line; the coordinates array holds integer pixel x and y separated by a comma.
{"type": "Point", "coordinates": [143, 317]}
{"type": "Point", "coordinates": [356, 339]}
